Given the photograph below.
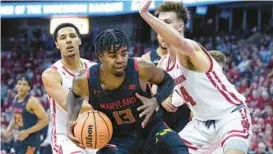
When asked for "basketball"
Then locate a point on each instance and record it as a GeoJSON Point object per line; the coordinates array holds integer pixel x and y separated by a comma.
{"type": "Point", "coordinates": [94, 129]}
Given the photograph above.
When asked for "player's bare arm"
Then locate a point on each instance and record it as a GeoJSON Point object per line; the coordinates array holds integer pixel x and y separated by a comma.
{"type": "Point", "coordinates": [52, 82]}
{"type": "Point", "coordinates": [176, 42]}
{"type": "Point", "coordinates": [75, 97]}
{"type": "Point", "coordinates": [53, 85]}
{"type": "Point", "coordinates": [148, 72]}
{"type": "Point", "coordinates": [36, 108]}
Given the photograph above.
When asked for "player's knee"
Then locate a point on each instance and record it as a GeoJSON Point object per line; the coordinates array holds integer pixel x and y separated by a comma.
{"type": "Point", "coordinates": [235, 146]}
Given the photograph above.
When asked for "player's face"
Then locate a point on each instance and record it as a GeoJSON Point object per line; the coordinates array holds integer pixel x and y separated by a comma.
{"type": "Point", "coordinates": [171, 19]}
{"type": "Point", "coordinates": [115, 62]}
{"type": "Point", "coordinates": [162, 44]}
{"type": "Point", "coordinates": [68, 42]}
{"type": "Point", "coordinates": [22, 87]}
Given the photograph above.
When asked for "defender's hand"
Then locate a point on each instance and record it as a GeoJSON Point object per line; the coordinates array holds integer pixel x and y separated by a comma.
{"type": "Point", "coordinates": [149, 106]}
{"type": "Point", "coordinates": [168, 106]}
{"type": "Point", "coordinates": [70, 134]}
{"type": "Point", "coordinates": [144, 6]}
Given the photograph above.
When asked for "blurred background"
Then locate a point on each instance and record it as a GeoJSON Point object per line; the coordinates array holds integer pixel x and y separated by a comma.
{"type": "Point", "coordinates": [242, 30]}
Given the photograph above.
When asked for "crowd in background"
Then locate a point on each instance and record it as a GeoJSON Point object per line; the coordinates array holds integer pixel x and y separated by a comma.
{"type": "Point", "coordinates": [249, 67]}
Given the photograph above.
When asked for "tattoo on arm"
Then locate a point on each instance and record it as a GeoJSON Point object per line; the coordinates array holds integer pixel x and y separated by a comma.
{"type": "Point", "coordinates": [74, 104]}
{"type": "Point", "coordinates": [77, 95]}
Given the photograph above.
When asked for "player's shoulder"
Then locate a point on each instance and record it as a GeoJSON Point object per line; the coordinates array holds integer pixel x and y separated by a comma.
{"type": "Point", "coordinates": [142, 65]}
{"type": "Point", "coordinates": [197, 46]}
{"type": "Point", "coordinates": [51, 74]}
{"type": "Point", "coordinates": [53, 68]}
{"type": "Point", "coordinates": [33, 101]}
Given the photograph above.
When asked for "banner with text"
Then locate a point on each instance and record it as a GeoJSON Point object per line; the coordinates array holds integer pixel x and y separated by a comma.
{"type": "Point", "coordinates": [83, 8]}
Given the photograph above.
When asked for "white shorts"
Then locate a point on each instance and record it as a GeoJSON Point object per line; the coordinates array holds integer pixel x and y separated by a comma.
{"type": "Point", "coordinates": [201, 139]}
{"type": "Point", "coordinates": [61, 144]}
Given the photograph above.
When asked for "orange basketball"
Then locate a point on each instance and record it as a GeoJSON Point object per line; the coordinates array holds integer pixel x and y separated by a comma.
{"type": "Point", "coordinates": [94, 129]}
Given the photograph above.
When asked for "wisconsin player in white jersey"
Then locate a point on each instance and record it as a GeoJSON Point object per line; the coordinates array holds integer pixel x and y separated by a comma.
{"type": "Point", "coordinates": [221, 118]}
{"type": "Point", "coordinates": [57, 81]}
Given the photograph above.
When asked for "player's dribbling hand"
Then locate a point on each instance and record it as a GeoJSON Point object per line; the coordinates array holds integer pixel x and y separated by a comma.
{"type": "Point", "coordinates": [168, 106]}
{"type": "Point", "coordinates": [148, 107]}
{"type": "Point", "coordinates": [144, 6]}
{"type": "Point", "coordinates": [70, 134]}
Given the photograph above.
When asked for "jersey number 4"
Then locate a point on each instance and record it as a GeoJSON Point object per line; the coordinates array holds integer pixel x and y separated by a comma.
{"type": "Point", "coordinates": [187, 97]}
{"type": "Point", "coordinates": [124, 116]}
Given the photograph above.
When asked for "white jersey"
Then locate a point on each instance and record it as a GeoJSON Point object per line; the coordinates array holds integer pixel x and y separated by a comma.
{"type": "Point", "coordinates": [209, 95]}
{"type": "Point", "coordinates": [59, 115]}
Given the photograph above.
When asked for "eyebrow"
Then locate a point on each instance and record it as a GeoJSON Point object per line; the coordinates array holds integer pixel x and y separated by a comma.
{"type": "Point", "coordinates": [68, 34]}
{"type": "Point", "coordinates": [113, 52]}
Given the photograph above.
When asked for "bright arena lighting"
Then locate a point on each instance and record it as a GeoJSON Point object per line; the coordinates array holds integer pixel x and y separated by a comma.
{"type": "Point", "coordinates": [82, 23]}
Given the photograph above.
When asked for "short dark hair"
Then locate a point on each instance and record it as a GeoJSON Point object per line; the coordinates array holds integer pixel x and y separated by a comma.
{"type": "Point", "coordinates": [110, 40]}
{"type": "Point", "coordinates": [24, 78]}
{"type": "Point", "coordinates": [63, 25]}
{"type": "Point", "coordinates": [177, 7]}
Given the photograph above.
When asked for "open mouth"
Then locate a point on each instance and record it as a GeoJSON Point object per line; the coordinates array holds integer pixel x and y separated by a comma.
{"type": "Point", "coordinates": [70, 48]}
{"type": "Point", "coordinates": [119, 68]}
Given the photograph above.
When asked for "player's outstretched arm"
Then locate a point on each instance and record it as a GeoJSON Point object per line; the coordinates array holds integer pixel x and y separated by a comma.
{"type": "Point", "coordinates": [170, 35]}
{"type": "Point", "coordinates": [176, 42]}
{"type": "Point", "coordinates": [34, 106]}
{"type": "Point", "coordinates": [53, 85]}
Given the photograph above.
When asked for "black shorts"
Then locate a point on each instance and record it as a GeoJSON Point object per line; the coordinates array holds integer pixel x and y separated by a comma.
{"type": "Point", "coordinates": [177, 120]}
{"type": "Point", "coordinates": [163, 140]}
{"type": "Point", "coordinates": [126, 144]}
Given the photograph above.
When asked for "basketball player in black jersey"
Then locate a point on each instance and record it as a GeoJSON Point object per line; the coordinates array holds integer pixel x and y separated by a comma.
{"type": "Point", "coordinates": [117, 87]}
{"type": "Point", "coordinates": [29, 116]}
